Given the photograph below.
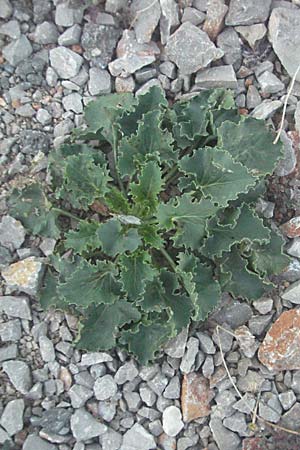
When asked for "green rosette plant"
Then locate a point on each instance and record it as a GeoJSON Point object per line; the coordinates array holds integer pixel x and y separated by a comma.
{"type": "Point", "coordinates": [153, 210]}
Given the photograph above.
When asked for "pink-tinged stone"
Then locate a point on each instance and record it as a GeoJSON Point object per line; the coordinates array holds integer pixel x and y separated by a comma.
{"type": "Point", "coordinates": [280, 349]}
{"type": "Point", "coordinates": [291, 228]}
{"type": "Point", "coordinates": [195, 397]}
{"type": "Point", "coordinates": [255, 443]}
{"type": "Point", "coordinates": [214, 22]}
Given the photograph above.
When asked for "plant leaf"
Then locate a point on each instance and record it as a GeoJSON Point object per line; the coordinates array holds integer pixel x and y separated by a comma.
{"type": "Point", "coordinates": [136, 270]}
{"type": "Point", "coordinates": [208, 292]}
{"type": "Point", "coordinates": [250, 143]}
{"type": "Point", "coordinates": [31, 207]}
{"type": "Point", "coordinates": [147, 340]}
{"type": "Point", "coordinates": [84, 181]}
{"type": "Point", "coordinates": [150, 235]}
{"type": "Point", "coordinates": [90, 284]}
{"type": "Point", "coordinates": [84, 238]}
{"type": "Point", "coordinates": [117, 239]}
{"type": "Point", "coordinates": [247, 226]}
{"type": "Point", "coordinates": [101, 327]}
{"type": "Point", "coordinates": [240, 280]}
{"type": "Point", "coordinates": [150, 141]}
{"type": "Point", "coordinates": [188, 217]}
{"type": "Point", "coordinates": [217, 175]}
{"type": "Point", "coordinates": [269, 259]}
{"type": "Point", "coordinates": [145, 193]}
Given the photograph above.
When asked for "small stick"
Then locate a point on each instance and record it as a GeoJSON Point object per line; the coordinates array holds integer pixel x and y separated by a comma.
{"type": "Point", "coordinates": [285, 106]}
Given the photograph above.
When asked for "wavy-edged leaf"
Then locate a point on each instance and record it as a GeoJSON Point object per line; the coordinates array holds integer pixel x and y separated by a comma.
{"type": "Point", "coordinates": [208, 292]}
{"type": "Point", "coordinates": [240, 281]}
{"type": "Point", "coordinates": [136, 270]}
{"type": "Point", "coordinates": [147, 340]}
{"type": "Point", "coordinates": [188, 216]}
{"type": "Point", "coordinates": [84, 181]}
{"type": "Point", "coordinates": [161, 293]}
{"type": "Point", "coordinates": [116, 239]}
{"type": "Point", "coordinates": [248, 226]}
{"type": "Point", "coordinates": [150, 235]}
{"type": "Point", "coordinates": [49, 296]}
{"type": "Point", "coordinates": [103, 323]}
{"type": "Point", "coordinates": [91, 284]}
{"type": "Point", "coordinates": [84, 238]}
{"type": "Point", "coordinates": [153, 99]}
{"type": "Point", "coordinates": [149, 142]}
{"type": "Point", "coordinates": [101, 115]}
{"type": "Point", "coordinates": [116, 201]}
{"type": "Point", "coordinates": [31, 207]}
{"type": "Point", "coordinates": [250, 143]}
{"type": "Point", "coordinates": [269, 259]}
{"type": "Point", "coordinates": [217, 175]}
{"type": "Point", "coordinates": [145, 192]}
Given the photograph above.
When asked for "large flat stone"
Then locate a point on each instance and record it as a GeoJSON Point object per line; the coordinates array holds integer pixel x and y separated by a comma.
{"type": "Point", "coordinates": [284, 34]}
{"type": "Point", "coordinates": [217, 77]}
{"type": "Point", "coordinates": [245, 12]}
{"type": "Point", "coordinates": [191, 49]}
{"type": "Point", "coordinates": [280, 349]}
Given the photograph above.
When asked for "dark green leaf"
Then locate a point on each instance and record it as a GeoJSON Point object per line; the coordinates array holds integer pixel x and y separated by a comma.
{"type": "Point", "coordinates": [136, 270]}
{"type": "Point", "coordinates": [84, 238]}
{"type": "Point", "coordinates": [116, 239]}
{"type": "Point", "coordinates": [31, 207]}
{"type": "Point", "coordinates": [102, 325]}
{"type": "Point", "coordinates": [208, 292]}
{"type": "Point", "coordinates": [145, 193]}
{"type": "Point", "coordinates": [90, 284]}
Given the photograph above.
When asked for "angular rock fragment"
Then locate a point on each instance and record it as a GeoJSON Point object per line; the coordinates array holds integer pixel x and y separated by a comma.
{"type": "Point", "coordinates": [252, 33]}
{"type": "Point", "coordinates": [214, 22]}
{"type": "Point", "coordinates": [280, 349]}
{"type": "Point", "coordinates": [132, 56]}
{"type": "Point", "coordinates": [195, 397]}
{"type": "Point", "coordinates": [191, 49]}
{"type": "Point", "coordinates": [217, 77]}
{"type": "Point", "coordinates": [24, 275]}
{"type": "Point", "coordinates": [65, 62]}
{"type": "Point", "coordinates": [145, 14]}
{"type": "Point", "coordinates": [99, 43]}
{"type": "Point", "coordinates": [245, 12]}
{"type": "Point", "coordinates": [284, 34]}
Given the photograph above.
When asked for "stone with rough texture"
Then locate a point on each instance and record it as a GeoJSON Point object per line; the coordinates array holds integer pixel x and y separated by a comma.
{"type": "Point", "coordinates": [11, 29]}
{"type": "Point", "coordinates": [10, 331]}
{"type": "Point", "coordinates": [65, 62]}
{"type": "Point", "coordinates": [5, 9]}
{"type": "Point", "coordinates": [24, 275]}
{"type": "Point", "coordinates": [17, 50]}
{"type": "Point", "coordinates": [15, 307]}
{"type": "Point", "coordinates": [292, 293]}
{"type": "Point", "coordinates": [235, 314]}
{"type": "Point", "coordinates": [189, 357]}
{"type": "Point", "coordinates": [71, 36]}
{"type": "Point", "coordinates": [280, 349]}
{"type": "Point", "coordinates": [34, 442]}
{"type": "Point", "coordinates": [105, 387]}
{"type": "Point", "coordinates": [226, 439]}
{"type": "Point", "coordinates": [252, 33]}
{"type": "Point", "coordinates": [291, 228]}
{"type": "Point", "coordinates": [99, 43]}
{"type": "Point", "coordinates": [12, 417]}
{"type": "Point", "coordinates": [146, 14]}
{"type": "Point", "coordinates": [191, 49]}
{"type": "Point", "coordinates": [132, 56]}
{"type": "Point", "coordinates": [99, 81]}
{"type": "Point", "coordinates": [269, 83]}
{"type": "Point", "coordinates": [291, 419]}
{"type": "Point", "coordinates": [172, 391]}
{"type": "Point", "coordinates": [79, 395]}
{"type": "Point", "coordinates": [3, 435]}
{"type": "Point", "coordinates": [92, 358]}
{"type": "Point", "coordinates": [137, 438]}
{"type": "Point", "coordinates": [172, 423]}
{"type": "Point", "coordinates": [169, 18]}
{"type": "Point", "coordinates": [66, 16]}
{"type": "Point", "coordinates": [217, 77]}
{"type": "Point", "coordinates": [176, 346]}
{"type": "Point", "coordinates": [214, 22]}
{"type": "Point", "coordinates": [245, 12]}
{"type": "Point", "coordinates": [46, 33]}
{"type": "Point", "coordinates": [252, 382]}
{"type": "Point", "coordinates": [193, 15]}
{"type": "Point", "coordinates": [124, 84]}
{"type": "Point", "coordinates": [195, 397]}
{"type": "Point", "coordinates": [253, 97]}
{"type": "Point", "coordinates": [287, 399]}
{"type": "Point", "coordinates": [54, 420]}
{"type": "Point", "coordinates": [12, 233]}
{"type": "Point", "coordinates": [237, 423]}
{"type": "Point", "coordinates": [284, 34]}
{"type": "Point", "coordinates": [19, 375]}
{"type": "Point", "coordinates": [229, 42]}
{"type": "Point", "coordinates": [73, 102]}
{"type": "Point", "coordinates": [287, 164]}
{"type": "Point", "coordinates": [266, 109]}
{"type": "Point", "coordinates": [127, 372]}
{"type": "Point", "coordinates": [84, 426]}
{"type": "Point", "coordinates": [110, 440]}
{"type": "Point", "coordinates": [46, 349]}
{"type": "Point", "coordinates": [246, 341]}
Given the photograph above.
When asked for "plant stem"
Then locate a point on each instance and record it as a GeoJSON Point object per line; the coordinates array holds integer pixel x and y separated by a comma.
{"type": "Point", "coordinates": [168, 258]}
{"type": "Point", "coordinates": [121, 186]}
{"type": "Point", "coordinates": [67, 214]}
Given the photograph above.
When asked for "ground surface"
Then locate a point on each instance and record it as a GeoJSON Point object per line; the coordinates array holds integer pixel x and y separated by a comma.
{"type": "Point", "coordinates": [55, 58]}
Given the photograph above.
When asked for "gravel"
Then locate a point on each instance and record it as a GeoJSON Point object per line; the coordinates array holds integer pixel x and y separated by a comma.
{"type": "Point", "coordinates": [65, 62]}
{"type": "Point", "coordinates": [17, 51]}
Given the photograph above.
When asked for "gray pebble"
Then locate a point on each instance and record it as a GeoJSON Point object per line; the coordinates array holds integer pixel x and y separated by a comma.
{"type": "Point", "coordinates": [99, 81]}
{"type": "Point", "coordinates": [79, 395]}
{"type": "Point", "coordinates": [12, 417]}
{"type": "Point", "coordinates": [46, 33]}
{"type": "Point", "coordinates": [10, 331]}
{"type": "Point", "coordinates": [6, 9]}
{"type": "Point", "coordinates": [46, 349]}
{"type": "Point", "coordinates": [237, 423]}
{"type": "Point", "coordinates": [105, 387]}
{"type": "Point", "coordinates": [287, 399]}
{"type": "Point", "coordinates": [19, 375]}
{"type": "Point", "coordinates": [110, 440]}
{"type": "Point", "coordinates": [127, 372]}
{"type": "Point", "coordinates": [172, 391]}
{"type": "Point", "coordinates": [216, 77]}
{"type": "Point", "coordinates": [73, 102]}
{"type": "Point", "coordinates": [12, 233]}
{"type": "Point", "coordinates": [208, 366]}
{"type": "Point", "coordinates": [84, 426]}
{"type": "Point", "coordinates": [147, 395]}
{"type": "Point", "coordinates": [269, 83]}
{"type": "Point", "coordinates": [137, 438]}
{"type": "Point", "coordinates": [206, 343]}
{"type": "Point", "coordinates": [67, 16]}
{"type": "Point", "coordinates": [11, 29]}
{"type": "Point", "coordinates": [65, 62]}
{"type": "Point", "coordinates": [34, 442]}
{"type": "Point", "coordinates": [158, 383]}
{"type": "Point", "coordinates": [189, 357]}
{"type": "Point", "coordinates": [266, 109]}
{"type": "Point", "coordinates": [226, 439]}
{"type": "Point", "coordinates": [71, 36]}
{"type": "Point", "coordinates": [17, 51]}
{"type": "Point", "coordinates": [93, 358]}
{"type": "Point", "coordinates": [8, 352]}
